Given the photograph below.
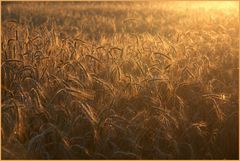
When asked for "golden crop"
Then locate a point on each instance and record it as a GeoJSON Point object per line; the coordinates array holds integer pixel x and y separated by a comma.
{"type": "Point", "coordinates": [119, 80]}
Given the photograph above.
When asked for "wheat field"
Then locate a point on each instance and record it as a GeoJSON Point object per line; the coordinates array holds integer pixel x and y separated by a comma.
{"type": "Point", "coordinates": [120, 80]}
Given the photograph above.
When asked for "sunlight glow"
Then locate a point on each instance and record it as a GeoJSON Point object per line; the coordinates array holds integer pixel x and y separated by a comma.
{"type": "Point", "coordinates": [223, 5]}
{"type": "Point", "coordinates": [227, 6]}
